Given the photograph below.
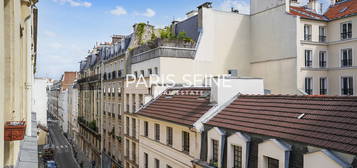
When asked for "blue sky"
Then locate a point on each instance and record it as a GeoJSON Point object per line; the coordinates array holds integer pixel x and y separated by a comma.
{"type": "Point", "coordinates": [69, 28]}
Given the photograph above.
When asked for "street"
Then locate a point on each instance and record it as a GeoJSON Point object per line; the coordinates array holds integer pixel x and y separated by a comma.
{"type": "Point", "coordinates": [63, 153]}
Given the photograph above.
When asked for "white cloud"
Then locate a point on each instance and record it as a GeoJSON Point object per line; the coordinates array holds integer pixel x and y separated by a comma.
{"type": "Point", "coordinates": [119, 10]}
{"type": "Point", "coordinates": [74, 3]}
{"type": "Point", "coordinates": [242, 6]}
{"type": "Point", "coordinates": [48, 33]}
{"type": "Point", "coordinates": [148, 13]}
{"type": "Point", "coordinates": [55, 45]}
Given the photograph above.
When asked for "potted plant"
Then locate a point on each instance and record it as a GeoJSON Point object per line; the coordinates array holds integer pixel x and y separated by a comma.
{"type": "Point", "coordinates": [14, 130]}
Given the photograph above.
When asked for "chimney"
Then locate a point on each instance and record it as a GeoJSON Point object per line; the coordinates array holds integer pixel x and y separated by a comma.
{"type": "Point", "coordinates": [117, 38]}
{"type": "Point", "coordinates": [225, 88]}
{"type": "Point", "coordinates": [294, 3]}
{"type": "Point", "coordinates": [314, 5]}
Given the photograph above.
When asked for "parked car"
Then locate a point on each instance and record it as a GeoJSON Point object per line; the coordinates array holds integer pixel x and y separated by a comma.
{"type": "Point", "coordinates": [51, 164]}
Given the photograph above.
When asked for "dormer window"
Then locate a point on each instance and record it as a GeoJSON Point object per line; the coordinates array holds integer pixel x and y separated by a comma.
{"type": "Point", "coordinates": [273, 153]}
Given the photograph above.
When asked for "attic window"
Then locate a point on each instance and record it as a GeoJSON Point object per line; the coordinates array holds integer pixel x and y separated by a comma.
{"type": "Point", "coordinates": [344, 9]}
{"type": "Point", "coordinates": [301, 116]}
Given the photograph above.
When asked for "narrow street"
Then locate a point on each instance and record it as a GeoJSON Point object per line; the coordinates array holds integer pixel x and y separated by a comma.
{"type": "Point", "coordinates": [63, 153]}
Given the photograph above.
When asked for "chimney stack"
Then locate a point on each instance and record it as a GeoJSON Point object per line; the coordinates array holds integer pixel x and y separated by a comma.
{"type": "Point", "coordinates": [314, 5]}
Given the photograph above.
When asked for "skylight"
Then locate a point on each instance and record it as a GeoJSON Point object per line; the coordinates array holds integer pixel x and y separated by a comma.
{"type": "Point", "coordinates": [344, 9]}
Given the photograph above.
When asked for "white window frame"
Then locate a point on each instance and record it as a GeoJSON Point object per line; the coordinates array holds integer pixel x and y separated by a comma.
{"type": "Point", "coordinates": [353, 83]}
{"type": "Point", "coordinates": [242, 140]}
{"type": "Point", "coordinates": [276, 149]}
{"type": "Point", "coordinates": [214, 134]}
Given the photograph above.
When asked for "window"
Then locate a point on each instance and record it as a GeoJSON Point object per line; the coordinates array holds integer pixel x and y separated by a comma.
{"type": "Point", "coordinates": [346, 57]}
{"type": "Point", "coordinates": [168, 166]}
{"type": "Point", "coordinates": [214, 151]}
{"type": "Point", "coordinates": [347, 86]}
{"type": "Point", "coordinates": [127, 125]}
{"type": "Point", "coordinates": [185, 141]}
{"type": "Point", "coordinates": [169, 135]}
{"type": "Point", "coordinates": [307, 32]}
{"type": "Point", "coordinates": [157, 132]}
{"type": "Point", "coordinates": [127, 148]}
{"type": "Point", "coordinates": [156, 70]}
{"type": "Point", "coordinates": [346, 30]}
{"type": "Point", "coordinates": [237, 156]}
{"type": "Point", "coordinates": [136, 74]}
{"type": "Point", "coordinates": [133, 127]}
{"type": "Point", "coordinates": [323, 86]}
{"type": "Point", "coordinates": [322, 34]}
{"type": "Point", "coordinates": [273, 163]}
{"type": "Point", "coordinates": [133, 151]}
{"type": "Point", "coordinates": [157, 163]}
{"type": "Point", "coordinates": [150, 71]}
{"type": "Point", "coordinates": [322, 59]}
{"type": "Point", "coordinates": [308, 85]}
{"type": "Point", "coordinates": [146, 160]}
{"type": "Point", "coordinates": [146, 128]}
{"type": "Point", "coordinates": [308, 58]}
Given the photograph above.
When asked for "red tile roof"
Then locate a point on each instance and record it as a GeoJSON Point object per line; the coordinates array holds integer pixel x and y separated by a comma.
{"type": "Point", "coordinates": [343, 9]}
{"type": "Point", "coordinates": [304, 12]}
{"type": "Point", "coordinates": [185, 107]}
{"type": "Point", "coordinates": [329, 122]}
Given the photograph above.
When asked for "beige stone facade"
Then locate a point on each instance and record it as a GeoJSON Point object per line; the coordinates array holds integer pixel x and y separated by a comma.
{"type": "Point", "coordinates": [18, 45]}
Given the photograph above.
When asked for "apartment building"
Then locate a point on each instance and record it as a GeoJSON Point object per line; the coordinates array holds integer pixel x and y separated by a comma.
{"type": "Point", "coordinates": [53, 93]}
{"type": "Point", "coordinates": [280, 131]}
{"type": "Point", "coordinates": [327, 48]}
{"type": "Point", "coordinates": [73, 127]}
{"type": "Point", "coordinates": [66, 81]}
{"type": "Point", "coordinates": [169, 127]}
{"type": "Point", "coordinates": [89, 105]}
{"type": "Point", "coordinates": [312, 53]}
{"type": "Point", "coordinates": [114, 73]}
{"type": "Point", "coordinates": [40, 99]}
{"type": "Point", "coordinates": [18, 52]}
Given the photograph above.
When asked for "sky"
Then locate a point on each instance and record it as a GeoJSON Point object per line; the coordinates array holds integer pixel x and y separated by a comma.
{"type": "Point", "coordinates": [68, 29]}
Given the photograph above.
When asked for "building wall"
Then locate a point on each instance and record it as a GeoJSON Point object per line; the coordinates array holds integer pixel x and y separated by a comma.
{"type": "Point", "coordinates": [260, 6]}
{"type": "Point", "coordinates": [73, 127]}
{"type": "Point", "coordinates": [333, 72]}
{"type": "Point", "coordinates": [274, 50]}
{"type": "Point", "coordinates": [17, 70]}
{"type": "Point", "coordinates": [63, 110]}
{"type": "Point", "coordinates": [224, 43]}
{"type": "Point", "coordinates": [40, 99]}
{"type": "Point", "coordinates": [168, 155]}
{"type": "Point", "coordinates": [2, 81]}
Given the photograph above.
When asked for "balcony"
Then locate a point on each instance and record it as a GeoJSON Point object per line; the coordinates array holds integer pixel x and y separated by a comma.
{"type": "Point", "coordinates": [164, 52]}
{"type": "Point", "coordinates": [307, 37]}
{"type": "Point", "coordinates": [89, 126]}
{"type": "Point", "coordinates": [93, 78]}
{"type": "Point", "coordinates": [347, 91]}
{"type": "Point", "coordinates": [322, 39]}
{"type": "Point", "coordinates": [346, 63]}
{"type": "Point", "coordinates": [346, 35]}
{"type": "Point", "coordinates": [176, 48]}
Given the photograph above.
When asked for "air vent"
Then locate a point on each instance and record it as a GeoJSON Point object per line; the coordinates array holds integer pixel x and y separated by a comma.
{"type": "Point", "coordinates": [301, 116]}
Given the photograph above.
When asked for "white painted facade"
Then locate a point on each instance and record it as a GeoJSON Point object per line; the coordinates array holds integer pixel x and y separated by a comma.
{"type": "Point", "coordinates": [40, 99]}
{"type": "Point", "coordinates": [73, 128]}
{"type": "Point", "coordinates": [63, 110]}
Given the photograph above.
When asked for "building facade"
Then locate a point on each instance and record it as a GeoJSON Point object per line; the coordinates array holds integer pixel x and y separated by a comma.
{"type": "Point", "coordinates": [73, 127]}
{"type": "Point", "coordinates": [18, 51]}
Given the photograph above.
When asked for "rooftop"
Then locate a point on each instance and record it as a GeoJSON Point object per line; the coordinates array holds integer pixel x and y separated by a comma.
{"type": "Point", "coordinates": [327, 122]}
{"type": "Point", "coordinates": [179, 105]}
{"type": "Point", "coordinates": [339, 10]}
